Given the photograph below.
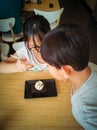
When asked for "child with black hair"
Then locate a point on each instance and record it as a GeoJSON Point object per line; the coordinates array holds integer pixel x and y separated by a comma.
{"type": "Point", "coordinates": [65, 49]}
{"type": "Point", "coordinates": [29, 57]}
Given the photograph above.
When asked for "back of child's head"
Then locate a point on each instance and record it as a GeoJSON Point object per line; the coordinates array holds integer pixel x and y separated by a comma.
{"type": "Point", "coordinates": [67, 44]}
{"type": "Point", "coordinates": [36, 25]}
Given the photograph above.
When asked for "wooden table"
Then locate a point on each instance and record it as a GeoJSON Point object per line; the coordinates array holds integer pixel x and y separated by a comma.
{"type": "Point", "coordinates": [43, 6]}
{"type": "Point", "coordinates": [17, 113]}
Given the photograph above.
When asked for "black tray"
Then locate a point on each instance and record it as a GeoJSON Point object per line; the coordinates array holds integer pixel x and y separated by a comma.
{"type": "Point", "coordinates": [49, 89]}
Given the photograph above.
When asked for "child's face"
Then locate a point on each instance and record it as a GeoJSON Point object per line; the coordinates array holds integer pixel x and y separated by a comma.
{"type": "Point", "coordinates": [59, 74]}
{"type": "Point", "coordinates": [31, 42]}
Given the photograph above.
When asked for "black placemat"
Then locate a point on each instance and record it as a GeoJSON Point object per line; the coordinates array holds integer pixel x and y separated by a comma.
{"type": "Point", "coordinates": [49, 89]}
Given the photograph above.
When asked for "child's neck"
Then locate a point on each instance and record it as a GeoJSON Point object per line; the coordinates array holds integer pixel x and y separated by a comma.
{"type": "Point", "coordinates": [78, 78]}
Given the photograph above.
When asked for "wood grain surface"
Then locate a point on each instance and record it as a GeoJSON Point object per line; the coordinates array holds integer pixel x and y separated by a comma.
{"type": "Point", "coordinates": [50, 113]}
{"type": "Point", "coordinates": [43, 6]}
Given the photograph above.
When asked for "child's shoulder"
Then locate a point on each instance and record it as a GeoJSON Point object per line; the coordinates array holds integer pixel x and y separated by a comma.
{"type": "Point", "coordinates": [93, 66]}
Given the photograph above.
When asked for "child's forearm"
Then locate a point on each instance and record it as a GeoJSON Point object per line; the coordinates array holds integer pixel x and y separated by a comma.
{"type": "Point", "coordinates": [8, 67]}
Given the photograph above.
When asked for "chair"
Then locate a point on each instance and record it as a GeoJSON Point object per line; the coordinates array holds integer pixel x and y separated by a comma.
{"type": "Point", "coordinates": [7, 25]}
{"type": "Point", "coordinates": [4, 47]}
{"type": "Point", "coordinates": [18, 45]}
{"type": "Point", "coordinates": [53, 17]}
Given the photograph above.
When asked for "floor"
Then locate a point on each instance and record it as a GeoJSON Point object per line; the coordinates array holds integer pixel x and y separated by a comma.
{"type": "Point", "coordinates": [75, 11]}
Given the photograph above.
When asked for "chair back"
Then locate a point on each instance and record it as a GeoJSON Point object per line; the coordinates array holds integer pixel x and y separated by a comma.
{"type": "Point", "coordinates": [53, 17]}
{"type": "Point", "coordinates": [5, 24]}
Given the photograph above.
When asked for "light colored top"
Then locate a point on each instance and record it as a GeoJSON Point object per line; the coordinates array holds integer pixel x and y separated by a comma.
{"type": "Point", "coordinates": [24, 52]}
{"type": "Point", "coordinates": [84, 102]}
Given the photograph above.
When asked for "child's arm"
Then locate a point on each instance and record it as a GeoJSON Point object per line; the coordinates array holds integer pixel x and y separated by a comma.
{"type": "Point", "coordinates": [23, 65]}
{"type": "Point", "coordinates": [8, 67]}
{"type": "Point", "coordinates": [14, 65]}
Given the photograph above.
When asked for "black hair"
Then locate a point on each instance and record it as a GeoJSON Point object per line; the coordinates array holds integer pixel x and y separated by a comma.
{"type": "Point", "coordinates": [67, 44]}
{"type": "Point", "coordinates": [36, 25]}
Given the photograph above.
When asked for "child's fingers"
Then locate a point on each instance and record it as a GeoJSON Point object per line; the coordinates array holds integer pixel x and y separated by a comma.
{"type": "Point", "coordinates": [29, 66]}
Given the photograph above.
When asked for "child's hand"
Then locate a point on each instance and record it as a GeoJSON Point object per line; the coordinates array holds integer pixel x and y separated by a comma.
{"type": "Point", "coordinates": [23, 65]}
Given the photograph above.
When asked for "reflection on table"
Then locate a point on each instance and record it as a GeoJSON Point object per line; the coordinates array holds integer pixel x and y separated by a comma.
{"type": "Point", "coordinates": [18, 113]}
{"type": "Point", "coordinates": [43, 6]}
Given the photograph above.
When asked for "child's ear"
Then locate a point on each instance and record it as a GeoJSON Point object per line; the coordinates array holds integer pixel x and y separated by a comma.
{"type": "Point", "coordinates": [67, 69]}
